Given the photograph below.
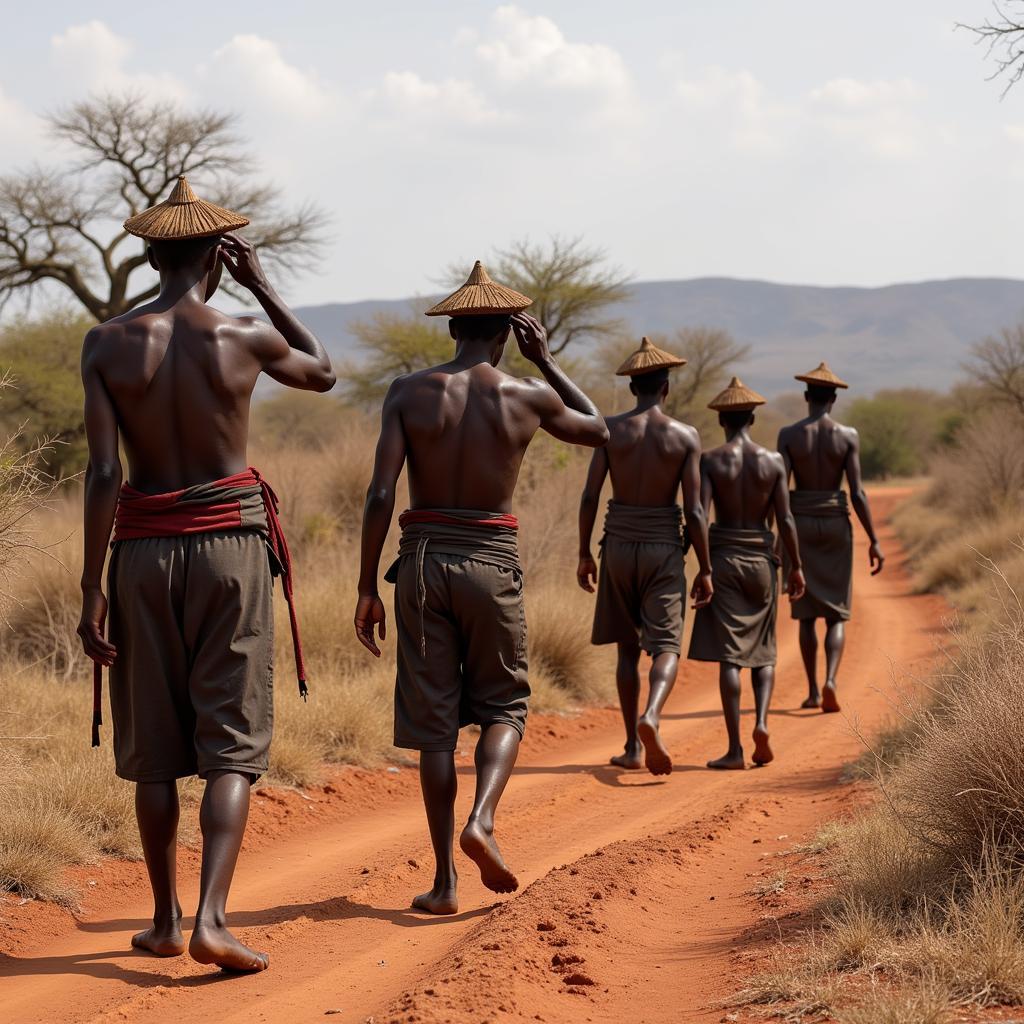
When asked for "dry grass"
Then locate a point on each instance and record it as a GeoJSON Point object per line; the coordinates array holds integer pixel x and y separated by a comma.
{"type": "Point", "coordinates": [76, 810]}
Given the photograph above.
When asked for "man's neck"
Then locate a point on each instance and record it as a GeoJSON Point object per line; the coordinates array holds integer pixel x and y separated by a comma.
{"type": "Point", "coordinates": [816, 411]}
{"type": "Point", "coordinates": [741, 435]}
{"type": "Point", "coordinates": [473, 353]}
{"type": "Point", "coordinates": [185, 285]}
{"type": "Point", "coordinates": [646, 402]}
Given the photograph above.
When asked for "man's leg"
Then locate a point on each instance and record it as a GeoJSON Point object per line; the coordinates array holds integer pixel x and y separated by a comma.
{"type": "Point", "coordinates": [156, 808]}
{"type": "Point", "coordinates": [729, 688]}
{"type": "Point", "coordinates": [440, 785]}
{"type": "Point", "coordinates": [835, 642]}
{"type": "Point", "coordinates": [662, 678]}
{"type": "Point", "coordinates": [496, 753]}
{"type": "Point", "coordinates": [222, 817]}
{"type": "Point", "coordinates": [809, 652]}
{"type": "Point", "coordinates": [627, 680]}
{"type": "Point", "coordinates": [763, 679]}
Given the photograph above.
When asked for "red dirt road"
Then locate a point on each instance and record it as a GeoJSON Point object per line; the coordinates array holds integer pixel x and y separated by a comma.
{"type": "Point", "coordinates": [635, 890]}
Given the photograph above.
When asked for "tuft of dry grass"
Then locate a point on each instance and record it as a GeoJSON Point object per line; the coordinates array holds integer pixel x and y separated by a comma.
{"type": "Point", "coordinates": [925, 1002]}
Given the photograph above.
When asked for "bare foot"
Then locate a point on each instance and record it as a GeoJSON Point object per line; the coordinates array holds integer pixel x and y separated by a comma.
{"type": "Point", "coordinates": [762, 750]}
{"type": "Point", "coordinates": [656, 756]}
{"type": "Point", "coordinates": [731, 762]}
{"type": "Point", "coordinates": [829, 700]}
{"type": "Point", "coordinates": [630, 759]}
{"type": "Point", "coordinates": [161, 940]}
{"type": "Point", "coordinates": [813, 701]}
{"type": "Point", "coordinates": [216, 945]}
{"type": "Point", "coordinates": [479, 846]}
{"type": "Point", "coordinates": [440, 900]}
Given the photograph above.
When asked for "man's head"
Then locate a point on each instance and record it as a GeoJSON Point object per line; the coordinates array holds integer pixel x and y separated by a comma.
{"type": "Point", "coordinates": [650, 385]}
{"type": "Point", "coordinates": [736, 420]}
{"type": "Point", "coordinates": [487, 329]}
{"type": "Point", "coordinates": [820, 395]}
{"type": "Point", "coordinates": [195, 255]}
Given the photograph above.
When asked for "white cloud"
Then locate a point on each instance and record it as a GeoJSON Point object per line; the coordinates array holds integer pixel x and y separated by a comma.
{"type": "Point", "coordinates": [522, 48]}
{"type": "Point", "coordinates": [250, 66]}
{"type": "Point", "coordinates": [453, 98]}
{"type": "Point", "coordinates": [854, 94]}
{"type": "Point", "coordinates": [20, 130]}
{"type": "Point", "coordinates": [93, 56]}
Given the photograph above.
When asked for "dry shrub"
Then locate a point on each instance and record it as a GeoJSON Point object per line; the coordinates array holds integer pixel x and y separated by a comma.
{"type": "Point", "coordinates": [36, 845]}
{"type": "Point", "coordinates": [962, 558]}
{"type": "Point", "coordinates": [925, 1002]}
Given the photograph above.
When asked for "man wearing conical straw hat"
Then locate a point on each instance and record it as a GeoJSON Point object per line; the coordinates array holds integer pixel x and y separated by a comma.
{"type": "Point", "coordinates": [196, 539]}
{"type": "Point", "coordinates": [463, 428]}
{"type": "Point", "coordinates": [819, 452]}
{"type": "Point", "coordinates": [746, 484]}
{"type": "Point", "coordinates": [641, 586]}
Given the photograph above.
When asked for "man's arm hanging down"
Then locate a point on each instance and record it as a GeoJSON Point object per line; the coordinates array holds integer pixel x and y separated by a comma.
{"type": "Point", "coordinates": [860, 504]}
{"type": "Point", "coordinates": [102, 483]}
{"type": "Point", "coordinates": [377, 513]}
{"type": "Point", "coordinates": [697, 523]}
{"type": "Point", "coordinates": [586, 570]}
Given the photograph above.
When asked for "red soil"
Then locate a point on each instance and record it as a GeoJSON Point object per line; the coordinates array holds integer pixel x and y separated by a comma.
{"type": "Point", "coordinates": [636, 903]}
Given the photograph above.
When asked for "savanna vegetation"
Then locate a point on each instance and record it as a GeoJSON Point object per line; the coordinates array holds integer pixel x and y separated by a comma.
{"type": "Point", "coordinates": [924, 917]}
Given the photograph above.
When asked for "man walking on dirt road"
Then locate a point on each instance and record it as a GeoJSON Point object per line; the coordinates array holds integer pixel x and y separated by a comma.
{"type": "Point", "coordinates": [463, 428]}
{"type": "Point", "coordinates": [196, 539]}
{"type": "Point", "coordinates": [747, 486]}
{"type": "Point", "coordinates": [819, 452]}
{"type": "Point", "coordinates": [641, 586]}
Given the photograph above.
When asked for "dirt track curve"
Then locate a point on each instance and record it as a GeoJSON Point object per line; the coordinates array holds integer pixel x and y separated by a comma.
{"type": "Point", "coordinates": [635, 892]}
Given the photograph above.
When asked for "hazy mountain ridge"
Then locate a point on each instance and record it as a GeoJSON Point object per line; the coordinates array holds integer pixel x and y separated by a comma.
{"type": "Point", "coordinates": [900, 335]}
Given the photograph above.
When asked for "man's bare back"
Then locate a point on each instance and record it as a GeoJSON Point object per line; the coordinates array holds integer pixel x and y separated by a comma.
{"type": "Point", "coordinates": [817, 449]}
{"type": "Point", "coordinates": [745, 482]}
{"type": "Point", "coordinates": [466, 431]}
{"type": "Point", "coordinates": [647, 451]}
{"type": "Point", "coordinates": [180, 376]}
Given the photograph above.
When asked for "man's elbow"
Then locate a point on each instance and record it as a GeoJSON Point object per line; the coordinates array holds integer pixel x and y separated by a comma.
{"type": "Point", "coordinates": [325, 381]}
{"type": "Point", "coordinates": [104, 473]}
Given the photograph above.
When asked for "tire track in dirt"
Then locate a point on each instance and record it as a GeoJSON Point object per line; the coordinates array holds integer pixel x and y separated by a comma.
{"type": "Point", "coordinates": [328, 901]}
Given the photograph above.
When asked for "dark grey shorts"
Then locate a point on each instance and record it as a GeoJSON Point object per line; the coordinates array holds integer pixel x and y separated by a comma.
{"type": "Point", "coordinates": [191, 689]}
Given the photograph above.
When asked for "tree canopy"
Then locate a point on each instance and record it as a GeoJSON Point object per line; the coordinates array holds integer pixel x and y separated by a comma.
{"type": "Point", "coordinates": [61, 227]}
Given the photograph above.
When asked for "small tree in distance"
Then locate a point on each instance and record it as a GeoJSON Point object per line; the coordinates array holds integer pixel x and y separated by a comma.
{"type": "Point", "coordinates": [63, 227]}
{"type": "Point", "coordinates": [996, 364]}
{"type": "Point", "coordinates": [571, 285]}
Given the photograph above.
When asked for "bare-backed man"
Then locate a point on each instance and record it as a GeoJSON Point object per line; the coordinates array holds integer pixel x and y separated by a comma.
{"type": "Point", "coordinates": [191, 629]}
{"type": "Point", "coordinates": [641, 586]}
{"type": "Point", "coordinates": [746, 484]}
{"type": "Point", "coordinates": [463, 428]}
{"type": "Point", "coordinates": [819, 452]}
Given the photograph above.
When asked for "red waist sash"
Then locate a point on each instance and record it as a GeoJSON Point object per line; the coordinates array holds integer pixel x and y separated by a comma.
{"type": "Point", "coordinates": [244, 501]}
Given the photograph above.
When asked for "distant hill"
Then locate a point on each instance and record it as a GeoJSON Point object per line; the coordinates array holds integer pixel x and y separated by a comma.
{"type": "Point", "coordinates": [898, 336]}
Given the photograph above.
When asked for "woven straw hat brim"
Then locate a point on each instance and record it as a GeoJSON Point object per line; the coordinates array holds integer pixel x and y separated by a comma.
{"type": "Point", "coordinates": [648, 358]}
{"type": "Point", "coordinates": [822, 376]}
{"type": "Point", "coordinates": [481, 300]}
{"type": "Point", "coordinates": [737, 397]}
{"type": "Point", "coordinates": [480, 296]}
{"type": "Point", "coordinates": [168, 223]}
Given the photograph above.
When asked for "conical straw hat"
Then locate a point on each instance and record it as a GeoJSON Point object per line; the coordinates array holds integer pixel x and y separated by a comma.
{"type": "Point", "coordinates": [480, 296]}
{"type": "Point", "coordinates": [823, 377]}
{"type": "Point", "coordinates": [648, 358]}
{"type": "Point", "coordinates": [183, 215]}
{"type": "Point", "coordinates": [737, 397]}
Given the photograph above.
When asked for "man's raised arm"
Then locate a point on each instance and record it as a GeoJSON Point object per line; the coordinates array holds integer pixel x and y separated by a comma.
{"type": "Point", "coordinates": [102, 483]}
{"type": "Point", "coordinates": [859, 500]}
{"type": "Point", "coordinates": [377, 513]}
{"type": "Point", "coordinates": [565, 411]}
{"type": "Point", "coordinates": [291, 353]}
{"type": "Point", "coordinates": [586, 570]}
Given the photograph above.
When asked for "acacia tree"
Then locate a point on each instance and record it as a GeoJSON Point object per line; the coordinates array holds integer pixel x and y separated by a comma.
{"type": "Point", "coordinates": [996, 363]}
{"type": "Point", "coordinates": [63, 226]}
{"type": "Point", "coordinates": [1002, 34]}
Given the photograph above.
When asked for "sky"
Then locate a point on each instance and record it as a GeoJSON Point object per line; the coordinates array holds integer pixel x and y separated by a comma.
{"type": "Point", "coordinates": [793, 141]}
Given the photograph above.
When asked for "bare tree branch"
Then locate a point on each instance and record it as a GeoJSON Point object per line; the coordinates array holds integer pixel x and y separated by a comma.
{"type": "Point", "coordinates": [1002, 36]}
{"type": "Point", "coordinates": [64, 226]}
